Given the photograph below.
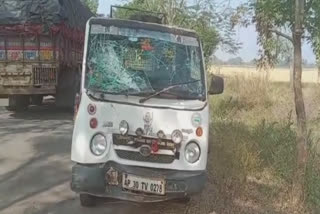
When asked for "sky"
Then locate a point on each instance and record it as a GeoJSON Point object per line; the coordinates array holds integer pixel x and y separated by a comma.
{"type": "Point", "coordinates": [246, 36]}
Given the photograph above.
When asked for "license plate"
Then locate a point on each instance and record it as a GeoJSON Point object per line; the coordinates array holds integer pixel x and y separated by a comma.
{"type": "Point", "coordinates": [141, 184]}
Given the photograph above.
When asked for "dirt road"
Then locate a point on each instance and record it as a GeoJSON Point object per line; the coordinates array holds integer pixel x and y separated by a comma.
{"type": "Point", "coordinates": [35, 170]}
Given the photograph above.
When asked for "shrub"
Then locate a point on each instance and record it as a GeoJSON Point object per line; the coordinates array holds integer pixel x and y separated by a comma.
{"type": "Point", "coordinates": [313, 176]}
{"type": "Point", "coordinates": [277, 145]}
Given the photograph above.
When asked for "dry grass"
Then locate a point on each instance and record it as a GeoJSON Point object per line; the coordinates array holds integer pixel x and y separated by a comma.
{"type": "Point", "coordinates": [254, 144]}
{"type": "Point", "coordinates": [310, 75]}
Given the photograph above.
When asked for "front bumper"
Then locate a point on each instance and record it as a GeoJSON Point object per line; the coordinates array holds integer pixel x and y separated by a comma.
{"type": "Point", "coordinates": [95, 180]}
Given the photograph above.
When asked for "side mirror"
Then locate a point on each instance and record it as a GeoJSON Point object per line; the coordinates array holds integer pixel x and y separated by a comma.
{"type": "Point", "coordinates": [216, 85]}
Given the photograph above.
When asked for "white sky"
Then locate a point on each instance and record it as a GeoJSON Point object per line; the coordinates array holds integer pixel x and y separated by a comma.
{"type": "Point", "coordinates": [247, 36]}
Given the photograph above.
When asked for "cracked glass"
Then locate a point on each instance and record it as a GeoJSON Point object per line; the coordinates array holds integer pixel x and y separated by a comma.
{"type": "Point", "coordinates": [136, 61]}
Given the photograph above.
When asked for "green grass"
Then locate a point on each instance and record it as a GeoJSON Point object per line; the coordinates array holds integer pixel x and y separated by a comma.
{"type": "Point", "coordinates": [254, 132]}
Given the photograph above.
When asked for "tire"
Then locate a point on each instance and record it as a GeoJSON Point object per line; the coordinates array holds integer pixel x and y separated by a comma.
{"type": "Point", "coordinates": [18, 103]}
{"type": "Point", "coordinates": [87, 200]}
{"type": "Point", "coordinates": [37, 100]}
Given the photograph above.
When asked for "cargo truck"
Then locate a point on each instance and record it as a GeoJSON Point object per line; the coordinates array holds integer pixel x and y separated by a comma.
{"type": "Point", "coordinates": [41, 47]}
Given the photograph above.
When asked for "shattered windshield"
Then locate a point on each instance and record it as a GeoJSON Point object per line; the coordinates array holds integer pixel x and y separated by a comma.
{"type": "Point", "coordinates": [130, 61]}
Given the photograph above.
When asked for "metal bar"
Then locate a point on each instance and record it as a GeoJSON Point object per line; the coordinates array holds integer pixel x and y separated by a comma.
{"type": "Point", "coordinates": [38, 75]}
{"type": "Point", "coordinates": [53, 39]}
{"type": "Point", "coordinates": [34, 74]}
{"type": "Point", "coordinates": [5, 48]}
{"type": "Point", "coordinates": [39, 53]}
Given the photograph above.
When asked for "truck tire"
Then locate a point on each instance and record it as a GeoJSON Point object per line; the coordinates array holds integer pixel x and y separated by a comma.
{"type": "Point", "coordinates": [87, 200]}
{"type": "Point", "coordinates": [37, 100]}
{"type": "Point", "coordinates": [18, 103]}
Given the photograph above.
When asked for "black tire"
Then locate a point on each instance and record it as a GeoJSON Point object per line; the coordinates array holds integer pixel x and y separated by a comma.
{"type": "Point", "coordinates": [18, 103]}
{"type": "Point", "coordinates": [87, 200]}
{"type": "Point", "coordinates": [37, 100]}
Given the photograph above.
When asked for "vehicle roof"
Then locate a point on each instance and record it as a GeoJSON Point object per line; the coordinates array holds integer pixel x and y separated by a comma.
{"type": "Point", "coordinates": [143, 25]}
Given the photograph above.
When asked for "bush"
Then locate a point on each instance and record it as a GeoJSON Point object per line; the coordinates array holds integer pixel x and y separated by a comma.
{"type": "Point", "coordinates": [234, 154]}
{"type": "Point", "coordinates": [277, 146]}
{"type": "Point", "coordinates": [313, 177]}
{"type": "Point", "coordinates": [247, 150]}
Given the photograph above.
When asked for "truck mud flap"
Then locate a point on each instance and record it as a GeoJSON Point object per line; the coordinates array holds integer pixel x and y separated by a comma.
{"type": "Point", "coordinates": [68, 86]}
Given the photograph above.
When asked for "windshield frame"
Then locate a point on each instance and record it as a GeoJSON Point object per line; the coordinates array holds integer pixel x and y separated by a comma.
{"type": "Point", "coordinates": [106, 22]}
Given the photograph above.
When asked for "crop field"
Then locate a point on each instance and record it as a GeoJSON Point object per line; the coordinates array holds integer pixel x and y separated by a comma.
{"type": "Point", "coordinates": [310, 75]}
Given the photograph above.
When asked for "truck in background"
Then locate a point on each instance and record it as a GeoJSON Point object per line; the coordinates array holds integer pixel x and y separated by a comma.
{"type": "Point", "coordinates": [41, 48]}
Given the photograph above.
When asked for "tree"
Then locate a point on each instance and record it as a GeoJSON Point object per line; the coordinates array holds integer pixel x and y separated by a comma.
{"type": "Point", "coordinates": [213, 26]}
{"type": "Point", "coordinates": [235, 61]}
{"type": "Point", "coordinates": [284, 52]}
{"type": "Point", "coordinates": [293, 20]}
{"type": "Point", "coordinates": [92, 5]}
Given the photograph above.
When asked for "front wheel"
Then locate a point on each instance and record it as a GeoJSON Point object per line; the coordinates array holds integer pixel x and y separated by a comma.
{"type": "Point", "coordinates": [87, 200]}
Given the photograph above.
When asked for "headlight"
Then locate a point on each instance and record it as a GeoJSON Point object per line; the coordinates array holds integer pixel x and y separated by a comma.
{"type": "Point", "coordinates": [177, 136]}
{"type": "Point", "coordinates": [192, 152]}
{"type": "Point", "coordinates": [124, 127]}
{"type": "Point", "coordinates": [98, 144]}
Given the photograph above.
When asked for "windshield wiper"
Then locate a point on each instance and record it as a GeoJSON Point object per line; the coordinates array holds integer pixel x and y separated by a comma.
{"type": "Point", "coordinates": [127, 92]}
{"type": "Point", "coordinates": [165, 90]}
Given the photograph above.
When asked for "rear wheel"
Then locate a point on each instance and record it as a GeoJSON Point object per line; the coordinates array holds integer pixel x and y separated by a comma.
{"type": "Point", "coordinates": [87, 200]}
{"type": "Point", "coordinates": [37, 100]}
{"type": "Point", "coordinates": [18, 102]}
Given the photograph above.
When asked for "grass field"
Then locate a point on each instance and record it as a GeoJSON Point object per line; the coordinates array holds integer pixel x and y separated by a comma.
{"type": "Point", "coordinates": [310, 75]}
{"type": "Point", "coordinates": [254, 147]}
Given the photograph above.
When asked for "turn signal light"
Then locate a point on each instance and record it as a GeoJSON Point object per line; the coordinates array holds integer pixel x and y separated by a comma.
{"type": "Point", "coordinates": [93, 123]}
{"type": "Point", "coordinates": [199, 132]}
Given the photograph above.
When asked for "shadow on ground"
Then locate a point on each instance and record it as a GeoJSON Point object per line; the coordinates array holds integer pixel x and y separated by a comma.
{"type": "Point", "coordinates": [49, 166]}
{"type": "Point", "coordinates": [44, 113]}
{"type": "Point", "coordinates": [38, 119]}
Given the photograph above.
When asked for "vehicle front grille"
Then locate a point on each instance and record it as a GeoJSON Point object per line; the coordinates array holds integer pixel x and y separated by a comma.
{"type": "Point", "coordinates": [136, 156]}
{"type": "Point", "coordinates": [136, 142]}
